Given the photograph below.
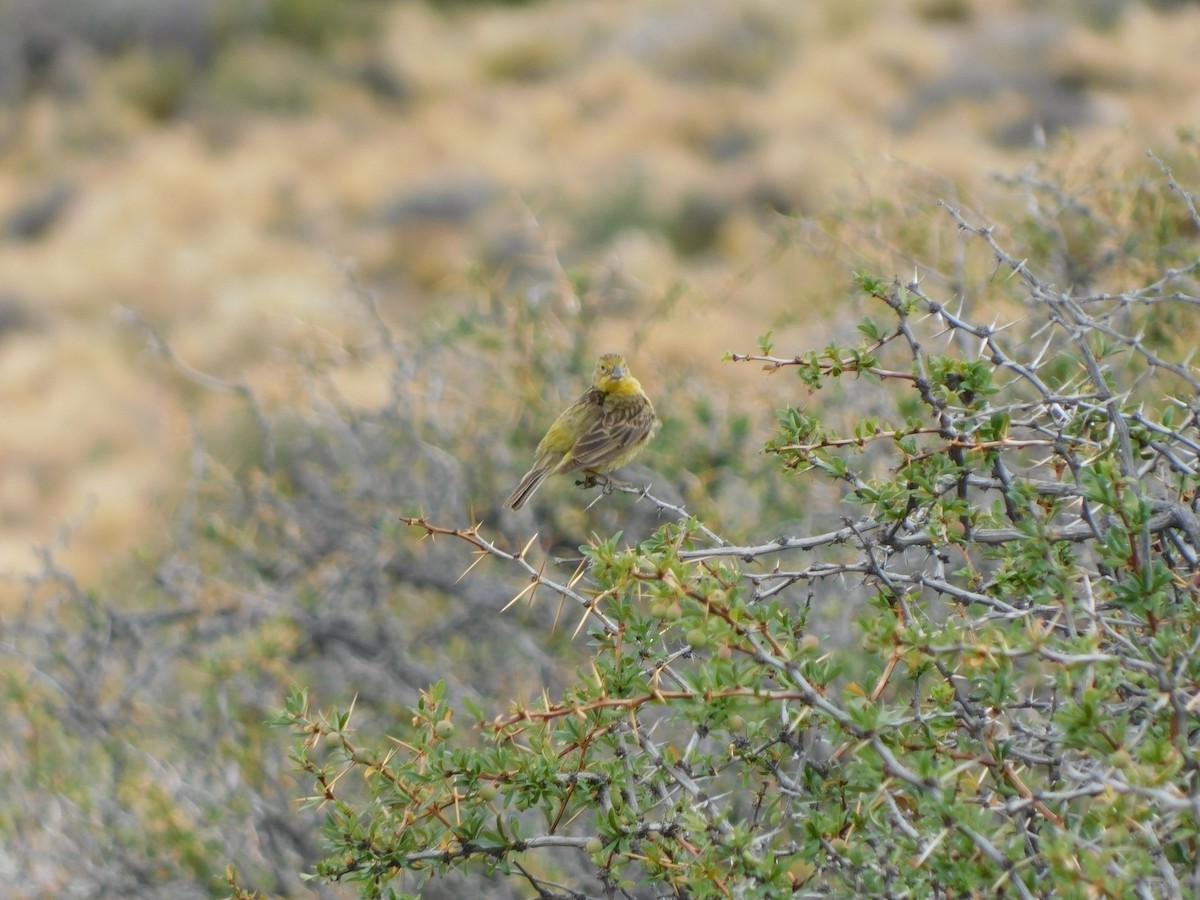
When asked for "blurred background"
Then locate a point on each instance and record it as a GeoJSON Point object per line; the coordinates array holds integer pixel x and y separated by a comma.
{"type": "Point", "coordinates": [233, 173]}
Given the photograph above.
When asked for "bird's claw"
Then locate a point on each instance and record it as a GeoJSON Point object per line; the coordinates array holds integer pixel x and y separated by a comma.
{"type": "Point", "coordinates": [592, 479]}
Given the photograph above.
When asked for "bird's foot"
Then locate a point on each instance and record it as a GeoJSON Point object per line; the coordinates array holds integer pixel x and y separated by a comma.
{"type": "Point", "coordinates": [608, 485]}
{"type": "Point", "coordinates": [593, 479]}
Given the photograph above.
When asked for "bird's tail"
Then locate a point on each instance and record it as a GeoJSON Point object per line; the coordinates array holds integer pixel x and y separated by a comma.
{"type": "Point", "coordinates": [531, 482]}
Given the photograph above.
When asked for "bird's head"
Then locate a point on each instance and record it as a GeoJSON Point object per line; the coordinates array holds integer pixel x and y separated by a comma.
{"type": "Point", "coordinates": [612, 375]}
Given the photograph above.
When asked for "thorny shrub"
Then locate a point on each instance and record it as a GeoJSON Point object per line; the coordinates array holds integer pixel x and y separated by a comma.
{"type": "Point", "coordinates": [1016, 713]}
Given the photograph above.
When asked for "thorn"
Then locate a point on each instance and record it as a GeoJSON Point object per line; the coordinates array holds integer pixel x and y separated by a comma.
{"type": "Point", "coordinates": [537, 582]}
{"type": "Point", "coordinates": [587, 611]}
{"type": "Point", "coordinates": [600, 680]}
{"type": "Point", "coordinates": [562, 601]}
{"type": "Point", "coordinates": [577, 574]}
{"type": "Point", "coordinates": [480, 556]}
{"type": "Point", "coordinates": [525, 549]}
{"type": "Point", "coordinates": [529, 587]}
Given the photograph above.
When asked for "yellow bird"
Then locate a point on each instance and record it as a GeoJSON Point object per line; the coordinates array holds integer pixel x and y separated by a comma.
{"type": "Point", "coordinates": [600, 432]}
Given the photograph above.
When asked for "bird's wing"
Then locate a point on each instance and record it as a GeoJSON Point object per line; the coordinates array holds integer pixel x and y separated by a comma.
{"type": "Point", "coordinates": [610, 437]}
{"type": "Point", "coordinates": [571, 423]}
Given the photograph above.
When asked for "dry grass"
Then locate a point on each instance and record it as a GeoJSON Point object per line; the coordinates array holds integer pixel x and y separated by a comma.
{"type": "Point", "coordinates": [227, 229]}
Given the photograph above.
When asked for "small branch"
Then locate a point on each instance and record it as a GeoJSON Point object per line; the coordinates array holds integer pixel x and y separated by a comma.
{"type": "Point", "coordinates": [161, 347]}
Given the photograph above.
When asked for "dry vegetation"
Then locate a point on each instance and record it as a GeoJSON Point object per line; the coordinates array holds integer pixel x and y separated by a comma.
{"type": "Point", "coordinates": [217, 182]}
{"type": "Point", "coordinates": [404, 229]}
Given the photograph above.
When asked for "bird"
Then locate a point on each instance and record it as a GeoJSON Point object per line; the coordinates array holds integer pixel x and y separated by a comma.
{"type": "Point", "coordinates": [598, 433]}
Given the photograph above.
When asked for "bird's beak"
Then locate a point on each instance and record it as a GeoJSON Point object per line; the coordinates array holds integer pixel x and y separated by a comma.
{"type": "Point", "coordinates": [618, 372]}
